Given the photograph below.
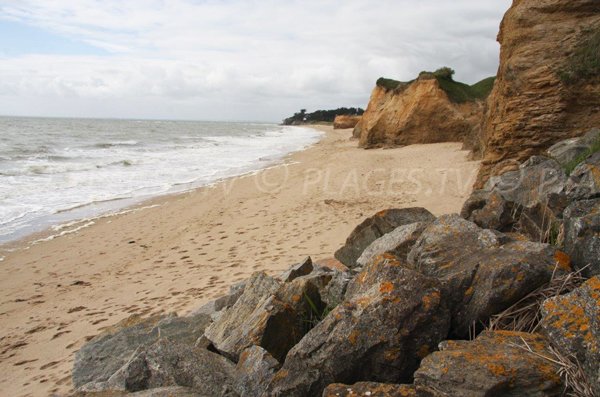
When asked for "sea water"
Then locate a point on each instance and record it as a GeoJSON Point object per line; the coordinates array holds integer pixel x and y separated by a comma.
{"type": "Point", "coordinates": [57, 170]}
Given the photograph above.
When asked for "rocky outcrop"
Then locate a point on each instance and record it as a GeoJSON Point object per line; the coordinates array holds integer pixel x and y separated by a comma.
{"type": "Point", "coordinates": [572, 323]}
{"type": "Point", "coordinates": [416, 112]}
{"type": "Point", "coordinates": [376, 226]}
{"type": "Point", "coordinates": [482, 272]}
{"type": "Point", "coordinates": [167, 363]}
{"type": "Point", "coordinates": [390, 319]}
{"type": "Point", "coordinates": [101, 357]}
{"type": "Point", "coordinates": [345, 121]}
{"type": "Point", "coordinates": [495, 364]}
{"type": "Point", "coordinates": [254, 371]}
{"type": "Point", "coordinates": [535, 102]}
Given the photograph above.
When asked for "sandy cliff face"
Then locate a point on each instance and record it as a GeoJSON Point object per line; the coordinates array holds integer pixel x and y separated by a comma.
{"type": "Point", "coordinates": [419, 112]}
{"type": "Point", "coordinates": [532, 105]}
{"type": "Point", "coordinates": [345, 121]}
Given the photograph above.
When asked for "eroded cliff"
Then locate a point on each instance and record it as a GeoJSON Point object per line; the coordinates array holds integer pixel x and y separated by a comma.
{"type": "Point", "coordinates": [548, 84]}
{"type": "Point", "coordinates": [427, 110]}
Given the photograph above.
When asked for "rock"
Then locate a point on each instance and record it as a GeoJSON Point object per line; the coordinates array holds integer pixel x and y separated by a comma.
{"type": "Point", "coordinates": [582, 235]}
{"type": "Point", "coordinates": [391, 318]}
{"type": "Point", "coordinates": [529, 200]}
{"type": "Point", "coordinates": [369, 389]}
{"type": "Point", "coordinates": [171, 391]}
{"type": "Point", "coordinates": [569, 150]}
{"type": "Point", "coordinates": [417, 112]}
{"type": "Point", "coordinates": [481, 272]}
{"type": "Point", "coordinates": [398, 242]}
{"type": "Point", "coordinates": [98, 359]}
{"type": "Point", "coordinates": [213, 307]}
{"type": "Point", "coordinates": [572, 323]}
{"type": "Point", "coordinates": [331, 263]}
{"type": "Point", "coordinates": [243, 324]}
{"type": "Point", "coordinates": [584, 182]}
{"type": "Point", "coordinates": [301, 269]}
{"type": "Point", "coordinates": [533, 105]}
{"type": "Point", "coordinates": [270, 314]}
{"type": "Point", "coordinates": [494, 364]}
{"type": "Point", "coordinates": [376, 226]}
{"type": "Point", "coordinates": [345, 121]}
{"type": "Point", "coordinates": [167, 363]}
{"type": "Point", "coordinates": [535, 180]}
{"type": "Point", "coordinates": [254, 371]}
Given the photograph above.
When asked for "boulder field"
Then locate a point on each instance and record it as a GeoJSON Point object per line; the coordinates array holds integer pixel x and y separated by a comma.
{"type": "Point", "coordinates": [411, 307]}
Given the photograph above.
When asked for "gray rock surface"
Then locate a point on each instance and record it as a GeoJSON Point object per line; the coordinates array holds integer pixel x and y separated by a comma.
{"type": "Point", "coordinates": [101, 357]}
{"type": "Point", "coordinates": [392, 317]}
{"type": "Point", "coordinates": [371, 389]}
{"type": "Point", "coordinates": [167, 363]}
{"type": "Point", "coordinates": [584, 181]}
{"type": "Point", "coordinates": [301, 269]}
{"type": "Point", "coordinates": [170, 391]}
{"type": "Point", "coordinates": [570, 149]}
{"type": "Point", "coordinates": [572, 323]}
{"type": "Point", "coordinates": [254, 371]}
{"type": "Point", "coordinates": [481, 272]}
{"type": "Point", "coordinates": [582, 235]}
{"type": "Point", "coordinates": [398, 242]}
{"type": "Point", "coordinates": [376, 226]}
{"type": "Point", "coordinates": [494, 364]}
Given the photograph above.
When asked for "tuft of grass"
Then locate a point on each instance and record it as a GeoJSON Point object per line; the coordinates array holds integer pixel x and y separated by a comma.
{"type": "Point", "coordinates": [584, 63]}
{"type": "Point", "coordinates": [315, 315]}
{"type": "Point", "coordinates": [570, 370]}
{"type": "Point", "coordinates": [525, 315]}
{"type": "Point", "coordinates": [388, 84]}
{"type": "Point", "coordinates": [594, 148]}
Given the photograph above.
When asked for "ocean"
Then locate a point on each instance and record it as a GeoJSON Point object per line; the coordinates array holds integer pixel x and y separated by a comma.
{"type": "Point", "coordinates": [56, 171]}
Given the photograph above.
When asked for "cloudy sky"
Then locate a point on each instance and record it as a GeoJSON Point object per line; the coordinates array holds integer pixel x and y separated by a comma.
{"type": "Point", "coordinates": [230, 59]}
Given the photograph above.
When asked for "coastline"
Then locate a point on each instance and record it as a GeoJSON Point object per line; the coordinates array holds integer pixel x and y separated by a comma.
{"type": "Point", "coordinates": [186, 248]}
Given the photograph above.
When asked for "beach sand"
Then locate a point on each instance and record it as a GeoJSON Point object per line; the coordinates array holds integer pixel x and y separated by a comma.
{"type": "Point", "coordinates": [188, 248]}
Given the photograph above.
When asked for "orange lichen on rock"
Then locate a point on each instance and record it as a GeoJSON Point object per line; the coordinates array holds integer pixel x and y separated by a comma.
{"type": "Point", "coordinates": [386, 287]}
{"type": "Point", "coordinates": [563, 261]}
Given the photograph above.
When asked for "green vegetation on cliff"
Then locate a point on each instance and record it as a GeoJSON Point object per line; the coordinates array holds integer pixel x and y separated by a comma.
{"type": "Point", "coordinates": [584, 63]}
{"type": "Point", "coordinates": [457, 92]}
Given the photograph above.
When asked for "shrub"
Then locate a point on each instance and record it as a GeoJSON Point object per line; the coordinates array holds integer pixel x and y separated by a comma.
{"type": "Point", "coordinates": [444, 73]}
{"type": "Point", "coordinates": [388, 84]}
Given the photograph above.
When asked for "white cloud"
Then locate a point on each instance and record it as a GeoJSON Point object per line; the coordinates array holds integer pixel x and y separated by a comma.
{"type": "Point", "coordinates": [234, 59]}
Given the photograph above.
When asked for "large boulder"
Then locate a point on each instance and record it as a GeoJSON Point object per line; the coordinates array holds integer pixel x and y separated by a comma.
{"type": "Point", "coordinates": [529, 200]}
{"type": "Point", "coordinates": [275, 315]}
{"type": "Point", "coordinates": [398, 242]}
{"type": "Point", "coordinates": [570, 150]}
{"type": "Point", "coordinates": [371, 389]}
{"type": "Point", "coordinates": [102, 356]}
{"type": "Point", "coordinates": [582, 235]}
{"type": "Point", "coordinates": [376, 226]}
{"type": "Point", "coordinates": [495, 364]}
{"type": "Point", "coordinates": [482, 272]}
{"type": "Point", "coordinates": [391, 318]}
{"type": "Point", "coordinates": [254, 371]}
{"type": "Point", "coordinates": [167, 363]}
{"type": "Point", "coordinates": [572, 323]}
{"type": "Point", "coordinates": [169, 391]}
{"type": "Point", "coordinates": [584, 181]}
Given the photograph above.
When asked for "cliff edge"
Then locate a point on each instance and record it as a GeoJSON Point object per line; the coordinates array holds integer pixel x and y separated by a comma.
{"type": "Point", "coordinates": [430, 109]}
{"type": "Point", "coordinates": [548, 84]}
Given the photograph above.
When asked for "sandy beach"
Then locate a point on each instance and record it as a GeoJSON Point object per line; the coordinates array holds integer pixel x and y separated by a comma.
{"type": "Point", "coordinates": [174, 253]}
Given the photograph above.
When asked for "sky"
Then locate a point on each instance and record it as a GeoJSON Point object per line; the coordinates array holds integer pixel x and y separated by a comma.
{"type": "Point", "coordinates": [257, 60]}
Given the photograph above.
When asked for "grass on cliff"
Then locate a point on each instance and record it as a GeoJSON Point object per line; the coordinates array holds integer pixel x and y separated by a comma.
{"type": "Point", "coordinates": [457, 92]}
{"type": "Point", "coordinates": [460, 92]}
{"type": "Point", "coordinates": [584, 63]}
